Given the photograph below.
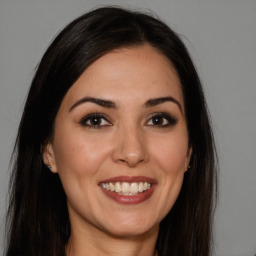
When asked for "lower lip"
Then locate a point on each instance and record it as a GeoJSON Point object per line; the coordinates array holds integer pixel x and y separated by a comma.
{"type": "Point", "coordinates": [136, 199]}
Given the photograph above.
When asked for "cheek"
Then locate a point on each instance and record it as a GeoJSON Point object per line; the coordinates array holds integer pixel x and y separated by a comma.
{"type": "Point", "coordinates": [78, 154]}
{"type": "Point", "coordinates": [171, 154]}
{"type": "Point", "coordinates": [79, 158]}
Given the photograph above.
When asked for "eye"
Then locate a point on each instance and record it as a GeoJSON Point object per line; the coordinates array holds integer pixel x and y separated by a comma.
{"type": "Point", "coordinates": [161, 120]}
{"type": "Point", "coordinates": [95, 120]}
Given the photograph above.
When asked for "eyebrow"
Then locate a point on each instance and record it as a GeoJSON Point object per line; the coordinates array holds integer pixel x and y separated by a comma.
{"type": "Point", "coordinates": [157, 101]}
{"type": "Point", "coordinates": [100, 102]}
{"type": "Point", "coordinates": [110, 104]}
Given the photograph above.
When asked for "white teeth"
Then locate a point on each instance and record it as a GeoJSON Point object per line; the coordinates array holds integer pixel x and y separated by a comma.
{"type": "Point", "coordinates": [118, 187]}
{"type": "Point", "coordinates": [111, 186]}
{"type": "Point", "coordinates": [125, 188]}
{"type": "Point", "coordinates": [145, 186]}
{"type": "Point", "coordinates": [141, 188]}
{"type": "Point", "coordinates": [134, 188]}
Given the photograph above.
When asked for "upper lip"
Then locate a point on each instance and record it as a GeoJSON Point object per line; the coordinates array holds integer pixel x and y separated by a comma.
{"type": "Point", "coordinates": [129, 179]}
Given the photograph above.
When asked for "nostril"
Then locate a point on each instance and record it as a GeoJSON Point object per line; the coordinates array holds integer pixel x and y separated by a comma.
{"type": "Point", "coordinates": [131, 160]}
{"type": "Point", "coordinates": [130, 149]}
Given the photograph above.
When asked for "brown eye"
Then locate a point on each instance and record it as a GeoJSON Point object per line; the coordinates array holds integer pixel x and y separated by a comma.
{"type": "Point", "coordinates": [95, 121]}
{"type": "Point", "coordinates": [161, 120]}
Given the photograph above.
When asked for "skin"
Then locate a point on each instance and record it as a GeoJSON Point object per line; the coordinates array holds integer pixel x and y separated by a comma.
{"type": "Point", "coordinates": [127, 141]}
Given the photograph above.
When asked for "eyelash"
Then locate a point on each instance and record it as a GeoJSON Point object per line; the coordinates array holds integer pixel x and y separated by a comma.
{"type": "Point", "coordinates": [169, 120]}
{"type": "Point", "coordinates": [94, 116]}
{"type": "Point", "coordinates": [166, 120]}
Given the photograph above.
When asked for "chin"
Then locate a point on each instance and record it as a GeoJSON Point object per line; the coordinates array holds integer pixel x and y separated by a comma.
{"type": "Point", "coordinates": [131, 227]}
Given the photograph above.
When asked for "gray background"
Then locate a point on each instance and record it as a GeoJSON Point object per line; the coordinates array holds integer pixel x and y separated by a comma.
{"type": "Point", "coordinates": [221, 36]}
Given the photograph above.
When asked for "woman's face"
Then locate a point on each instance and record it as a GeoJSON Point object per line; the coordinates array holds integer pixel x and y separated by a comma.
{"type": "Point", "coordinates": [120, 143]}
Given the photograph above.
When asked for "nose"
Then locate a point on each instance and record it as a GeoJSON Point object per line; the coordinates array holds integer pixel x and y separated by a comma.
{"type": "Point", "coordinates": [131, 147]}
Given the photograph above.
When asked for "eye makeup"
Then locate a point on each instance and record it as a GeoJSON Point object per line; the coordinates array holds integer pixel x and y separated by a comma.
{"type": "Point", "coordinates": [156, 120]}
{"type": "Point", "coordinates": [161, 120]}
{"type": "Point", "coordinates": [95, 120]}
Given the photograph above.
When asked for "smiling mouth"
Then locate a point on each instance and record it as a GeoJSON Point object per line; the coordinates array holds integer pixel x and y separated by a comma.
{"type": "Point", "coordinates": [127, 188]}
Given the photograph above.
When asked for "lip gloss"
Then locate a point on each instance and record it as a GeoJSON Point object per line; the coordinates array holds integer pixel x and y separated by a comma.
{"type": "Point", "coordinates": [129, 199]}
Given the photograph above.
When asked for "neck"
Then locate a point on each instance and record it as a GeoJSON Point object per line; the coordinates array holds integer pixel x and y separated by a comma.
{"type": "Point", "coordinates": [84, 243]}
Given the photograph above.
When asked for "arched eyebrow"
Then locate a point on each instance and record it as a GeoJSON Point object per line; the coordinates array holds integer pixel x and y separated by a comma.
{"type": "Point", "coordinates": [110, 104]}
{"type": "Point", "coordinates": [157, 101]}
{"type": "Point", "coordinates": [100, 102]}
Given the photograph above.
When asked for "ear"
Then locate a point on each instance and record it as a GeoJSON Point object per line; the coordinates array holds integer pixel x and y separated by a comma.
{"type": "Point", "coordinates": [189, 154]}
{"type": "Point", "coordinates": [49, 156]}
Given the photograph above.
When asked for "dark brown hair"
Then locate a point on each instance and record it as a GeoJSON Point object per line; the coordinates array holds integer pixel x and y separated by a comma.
{"type": "Point", "coordinates": [38, 222]}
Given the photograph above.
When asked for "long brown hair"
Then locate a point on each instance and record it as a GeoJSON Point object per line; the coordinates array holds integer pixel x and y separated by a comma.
{"type": "Point", "coordinates": [38, 222]}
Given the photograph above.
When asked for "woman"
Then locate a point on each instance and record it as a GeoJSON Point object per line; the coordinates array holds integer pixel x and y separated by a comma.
{"type": "Point", "coordinates": [114, 153]}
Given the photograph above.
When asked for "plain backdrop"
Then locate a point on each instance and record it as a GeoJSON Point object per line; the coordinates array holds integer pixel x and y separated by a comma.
{"type": "Point", "coordinates": [221, 37]}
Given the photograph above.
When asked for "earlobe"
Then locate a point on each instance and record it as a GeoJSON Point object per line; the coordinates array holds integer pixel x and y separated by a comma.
{"type": "Point", "coordinates": [49, 157]}
{"type": "Point", "coordinates": [187, 164]}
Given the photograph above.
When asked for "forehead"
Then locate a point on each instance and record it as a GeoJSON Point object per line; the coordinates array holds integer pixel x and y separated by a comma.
{"type": "Point", "coordinates": [127, 75]}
